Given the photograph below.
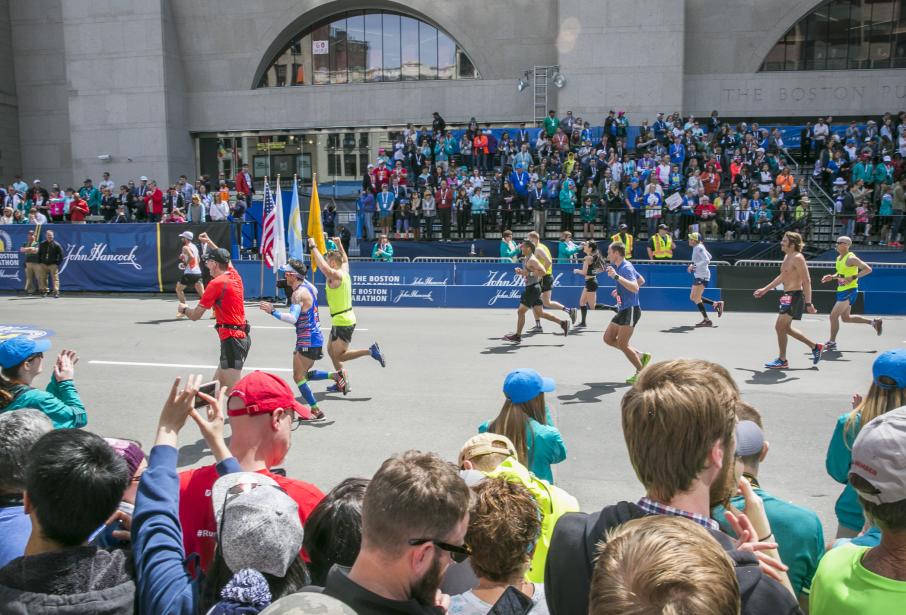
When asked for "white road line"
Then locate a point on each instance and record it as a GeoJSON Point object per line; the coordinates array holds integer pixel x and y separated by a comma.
{"type": "Point", "coordinates": [286, 326]}
{"type": "Point", "coordinates": [183, 365]}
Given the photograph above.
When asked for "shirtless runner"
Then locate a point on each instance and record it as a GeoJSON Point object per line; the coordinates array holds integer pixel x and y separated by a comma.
{"type": "Point", "coordinates": [796, 298]}
{"type": "Point", "coordinates": [532, 271]}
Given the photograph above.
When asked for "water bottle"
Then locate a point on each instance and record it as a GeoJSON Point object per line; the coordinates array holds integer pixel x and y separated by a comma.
{"type": "Point", "coordinates": [472, 250]}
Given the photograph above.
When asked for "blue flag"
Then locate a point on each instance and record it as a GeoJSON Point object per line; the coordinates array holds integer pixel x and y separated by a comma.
{"type": "Point", "coordinates": [294, 228]}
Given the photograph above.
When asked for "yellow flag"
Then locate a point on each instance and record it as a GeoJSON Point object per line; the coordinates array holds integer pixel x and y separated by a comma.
{"type": "Point", "coordinates": [315, 228]}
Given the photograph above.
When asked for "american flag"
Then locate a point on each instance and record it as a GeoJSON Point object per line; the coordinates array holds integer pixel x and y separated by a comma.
{"type": "Point", "coordinates": [273, 244]}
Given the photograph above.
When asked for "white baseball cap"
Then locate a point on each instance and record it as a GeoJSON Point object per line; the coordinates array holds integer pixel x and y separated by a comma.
{"type": "Point", "coordinates": [187, 235]}
{"type": "Point", "coordinates": [879, 457]}
{"type": "Point", "coordinates": [143, 178]}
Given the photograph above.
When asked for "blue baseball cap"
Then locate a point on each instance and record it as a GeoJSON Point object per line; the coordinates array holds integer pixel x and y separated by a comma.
{"type": "Point", "coordinates": [522, 385]}
{"type": "Point", "coordinates": [16, 349]}
{"type": "Point", "coordinates": [891, 364]}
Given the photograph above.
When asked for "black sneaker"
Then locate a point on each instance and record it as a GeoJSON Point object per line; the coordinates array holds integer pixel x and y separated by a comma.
{"type": "Point", "coordinates": [705, 323]}
{"type": "Point", "coordinates": [537, 329]}
{"type": "Point", "coordinates": [512, 337]}
{"type": "Point", "coordinates": [564, 324]}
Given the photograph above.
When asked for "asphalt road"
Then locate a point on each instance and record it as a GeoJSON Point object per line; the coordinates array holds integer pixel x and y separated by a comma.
{"type": "Point", "coordinates": [443, 378]}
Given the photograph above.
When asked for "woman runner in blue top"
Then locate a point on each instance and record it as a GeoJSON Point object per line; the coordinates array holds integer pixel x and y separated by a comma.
{"type": "Point", "coordinates": [303, 313]}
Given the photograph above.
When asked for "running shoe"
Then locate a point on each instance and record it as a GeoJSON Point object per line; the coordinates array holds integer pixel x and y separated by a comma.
{"type": "Point", "coordinates": [316, 414]}
{"type": "Point", "coordinates": [377, 355]}
{"type": "Point", "coordinates": [333, 389]}
{"type": "Point", "coordinates": [342, 382]}
{"type": "Point", "coordinates": [537, 329]}
{"type": "Point", "coordinates": [632, 378]}
{"type": "Point", "coordinates": [180, 316]}
{"type": "Point", "coordinates": [817, 351]}
{"type": "Point", "coordinates": [719, 308]}
{"type": "Point", "coordinates": [705, 323]}
{"type": "Point", "coordinates": [878, 325]}
{"type": "Point", "coordinates": [778, 364]}
{"type": "Point", "coordinates": [581, 324]}
{"type": "Point", "coordinates": [512, 337]}
{"type": "Point", "coordinates": [572, 315]}
{"type": "Point", "coordinates": [645, 359]}
{"type": "Point", "coordinates": [830, 345]}
{"type": "Point", "coordinates": [564, 324]}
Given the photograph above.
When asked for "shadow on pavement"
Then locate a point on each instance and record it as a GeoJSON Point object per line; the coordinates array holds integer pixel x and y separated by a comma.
{"type": "Point", "coordinates": [774, 376]}
{"type": "Point", "coordinates": [679, 329]}
{"type": "Point", "coordinates": [158, 322]}
{"type": "Point", "coordinates": [511, 347]}
{"type": "Point", "coordinates": [322, 395]}
{"type": "Point", "coordinates": [593, 393]}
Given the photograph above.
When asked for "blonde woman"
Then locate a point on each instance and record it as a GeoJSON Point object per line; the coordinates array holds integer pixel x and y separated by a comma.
{"type": "Point", "coordinates": [526, 420]}
{"type": "Point", "coordinates": [887, 392]}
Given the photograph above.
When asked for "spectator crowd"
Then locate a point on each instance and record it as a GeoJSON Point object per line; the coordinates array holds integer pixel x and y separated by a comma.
{"type": "Point", "coordinates": [92, 524]}
{"type": "Point", "coordinates": [724, 180]}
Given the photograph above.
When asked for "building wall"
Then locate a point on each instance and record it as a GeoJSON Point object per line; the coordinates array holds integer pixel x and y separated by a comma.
{"type": "Point", "coordinates": [10, 155]}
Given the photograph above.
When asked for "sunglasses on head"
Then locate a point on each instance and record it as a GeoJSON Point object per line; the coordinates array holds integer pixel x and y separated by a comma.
{"type": "Point", "coordinates": [457, 553]}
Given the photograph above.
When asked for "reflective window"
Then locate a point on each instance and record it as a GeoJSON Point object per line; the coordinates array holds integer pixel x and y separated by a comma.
{"type": "Point", "coordinates": [371, 45]}
{"type": "Point", "coordinates": [844, 34]}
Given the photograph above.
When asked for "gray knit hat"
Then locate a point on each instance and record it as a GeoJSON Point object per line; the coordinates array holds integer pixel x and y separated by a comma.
{"type": "Point", "coordinates": [258, 524]}
{"type": "Point", "coordinates": [308, 603]}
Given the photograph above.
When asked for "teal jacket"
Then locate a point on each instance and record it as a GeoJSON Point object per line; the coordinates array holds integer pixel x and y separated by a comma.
{"type": "Point", "coordinates": [508, 254]}
{"type": "Point", "coordinates": [387, 256]}
{"type": "Point", "coordinates": [567, 200]}
{"type": "Point", "coordinates": [839, 457]}
{"type": "Point", "coordinates": [565, 251]}
{"type": "Point", "coordinates": [544, 446]}
{"type": "Point", "coordinates": [60, 402]}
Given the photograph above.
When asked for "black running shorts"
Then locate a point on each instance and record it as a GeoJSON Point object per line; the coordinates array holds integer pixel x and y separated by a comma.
{"type": "Point", "coordinates": [233, 351]}
{"type": "Point", "coordinates": [343, 334]}
{"type": "Point", "coordinates": [628, 317]}
{"type": "Point", "coordinates": [531, 296]}
{"type": "Point", "coordinates": [547, 283]}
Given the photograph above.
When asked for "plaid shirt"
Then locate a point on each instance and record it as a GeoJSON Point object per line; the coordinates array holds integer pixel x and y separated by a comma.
{"type": "Point", "coordinates": [656, 508]}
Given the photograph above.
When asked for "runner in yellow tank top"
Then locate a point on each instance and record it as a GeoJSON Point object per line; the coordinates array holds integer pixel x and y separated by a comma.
{"type": "Point", "coordinates": [338, 289]}
{"type": "Point", "coordinates": [849, 268]}
{"type": "Point", "coordinates": [543, 254]}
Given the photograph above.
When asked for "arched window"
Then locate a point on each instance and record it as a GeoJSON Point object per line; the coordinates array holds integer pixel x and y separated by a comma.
{"type": "Point", "coordinates": [844, 34]}
{"type": "Point", "coordinates": [360, 46]}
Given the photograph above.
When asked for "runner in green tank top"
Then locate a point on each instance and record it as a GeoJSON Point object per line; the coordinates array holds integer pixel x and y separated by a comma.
{"type": "Point", "coordinates": [338, 289]}
{"type": "Point", "coordinates": [848, 269]}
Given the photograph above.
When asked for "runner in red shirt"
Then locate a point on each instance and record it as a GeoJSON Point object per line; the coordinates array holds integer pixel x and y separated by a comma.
{"type": "Point", "coordinates": [225, 294]}
{"type": "Point", "coordinates": [263, 412]}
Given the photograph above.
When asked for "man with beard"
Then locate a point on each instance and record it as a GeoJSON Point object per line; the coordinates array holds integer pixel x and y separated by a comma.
{"type": "Point", "coordinates": [679, 421]}
{"type": "Point", "coordinates": [414, 520]}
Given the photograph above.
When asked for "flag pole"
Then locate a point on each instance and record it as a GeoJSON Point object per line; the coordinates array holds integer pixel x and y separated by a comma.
{"type": "Point", "coordinates": [314, 183]}
{"type": "Point", "coordinates": [261, 256]}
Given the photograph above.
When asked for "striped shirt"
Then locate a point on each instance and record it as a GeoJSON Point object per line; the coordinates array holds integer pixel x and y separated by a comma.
{"type": "Point", "coordinates": [308, 325]}
{"type": "Point", "coordinates": [656, 508]}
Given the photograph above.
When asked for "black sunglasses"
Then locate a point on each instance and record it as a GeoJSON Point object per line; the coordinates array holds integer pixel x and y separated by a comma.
{"type": "Point", "coordinates": [457, 553]}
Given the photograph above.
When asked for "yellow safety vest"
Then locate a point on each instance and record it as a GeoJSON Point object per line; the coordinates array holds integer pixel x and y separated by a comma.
{"type": "Point", "coordinates": [626, 241]}
{"type": "Point", "coordinates": [847, 271]}
{"type": "Point", "coordinates": [663, 246]}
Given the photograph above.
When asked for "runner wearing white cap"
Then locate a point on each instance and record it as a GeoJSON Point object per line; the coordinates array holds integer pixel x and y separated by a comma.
{"type": "Point", "coordinates": [849, 268]}
{"type": "Point", "coordinates": [190, 263]}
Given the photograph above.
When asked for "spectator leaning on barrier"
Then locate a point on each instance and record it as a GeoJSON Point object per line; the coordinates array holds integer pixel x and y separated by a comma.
{"type": "Point", "coordinates": [383, 250]}
{"type": "Point", "coordinates": [869, 580]}
{"type": "Point", "coordinates": [678, 422]}
{"type": "Point", "coordinates": [21, 360]}
{"type": "Point", "coordinates": [59, 572]}
{"type": "Point", "coordinates": [19, 430]}
{"type": "Point", "coordinates": [663, 564]}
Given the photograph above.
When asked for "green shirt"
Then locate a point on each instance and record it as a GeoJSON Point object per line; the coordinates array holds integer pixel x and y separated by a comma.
{"type": "Point", "coordinates": [509, 251]}
{"type": "Point", "coordinates": [843, 586]}
{"type": "Point", "coordinates": [339, 300]}
{"type": "Point", "coordinates": [550, 126]}
{"type": "Point", "coordinates": [798, 532]}
{"type": "Point", "coordinates": [387, 255]}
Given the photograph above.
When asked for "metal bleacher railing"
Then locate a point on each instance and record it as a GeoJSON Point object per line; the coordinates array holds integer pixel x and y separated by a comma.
{"type": "Point", "coordinates": [815, 264]}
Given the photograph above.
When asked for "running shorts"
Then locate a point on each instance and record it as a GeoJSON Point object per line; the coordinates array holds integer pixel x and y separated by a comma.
{"type": "Point", "coordinates": [233, 351]}
{"type": "Point", "coordinates": [850, 294]}
{"type": "Point", "coordinates": [189, 279]}
{"type": "Point", "coordinates": [547, 283]}
{"type": "Point", "coordinates": [531, 296]}
{"type": "Point", "coordinates": [793, 304]}
{"type": "Point", "coordinates": [310, 352]}
{"type": "Point", "coordinates": [628, 317]}
{"type": "Point", "coordinates": [591, 285]}
{"type": "Point", "coordinates": [700, 282]}
{"type": "Point", "coordinates": [341, 333]}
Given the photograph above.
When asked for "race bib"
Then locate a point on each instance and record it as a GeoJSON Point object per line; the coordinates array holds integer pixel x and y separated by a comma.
{"type": "Point", "coordinates": [786, 300]}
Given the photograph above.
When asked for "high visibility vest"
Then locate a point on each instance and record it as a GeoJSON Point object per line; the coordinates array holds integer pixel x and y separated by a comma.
{"type": "Point", "coordinates": [663, 246]}
{"type": "Point", "coordinates": [626, 240]}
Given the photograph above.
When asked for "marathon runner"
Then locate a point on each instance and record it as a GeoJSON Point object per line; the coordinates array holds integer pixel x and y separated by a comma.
{"type": "Point", "coordinates": [849, 269]}
{"type": "Point", "coordinates": [533, 271]}
{"type": "Point", "coordinates": [796, 298]}
{"type": "Point", "coordinates": [700, 269]}
{"type": "Point", "coordinates": [303, 313]}
{"type": "Point", "coordinates": [338, 288]}
{"type": "Point", "coordinates": [543, 256]}
{"type": "Point", "coordinates": [225, 295]}
{"type": "Point", "coordinates": [592, 265]}
{"type": "Point", "coordinates": [191, 273]}
{"type": "Point", "coordinates": [622, 326]}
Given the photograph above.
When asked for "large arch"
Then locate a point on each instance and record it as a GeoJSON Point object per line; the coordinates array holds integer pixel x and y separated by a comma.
{"type": "Point", "coordinates": [806, 43]}
{"type": "Point", "coordinates": [323, 12]}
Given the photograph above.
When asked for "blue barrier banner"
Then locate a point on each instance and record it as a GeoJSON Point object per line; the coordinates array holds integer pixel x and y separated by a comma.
{"type": "Point", "coordinates": [504, 275]}
{"type": "Point", "coordinates": [408, 295]}
{"type": "Point", "coordinates": [424, 274]}
{"type": "Point", "coordinates": [12, 262]}
{"type": "Point", "coordinates": [97, 257]}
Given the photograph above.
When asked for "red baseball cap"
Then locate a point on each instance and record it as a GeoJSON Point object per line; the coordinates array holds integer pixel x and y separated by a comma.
{"type": "Point", "coordinates": [263, 393]}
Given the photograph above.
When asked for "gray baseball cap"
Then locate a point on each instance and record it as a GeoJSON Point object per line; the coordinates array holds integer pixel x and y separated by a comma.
{"type": "Point", "coordinates": [879, 457]}
{"type": "Point", "coordinates": [258, 524]}
{"type": "Point", "coordinates": [308, 603]}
